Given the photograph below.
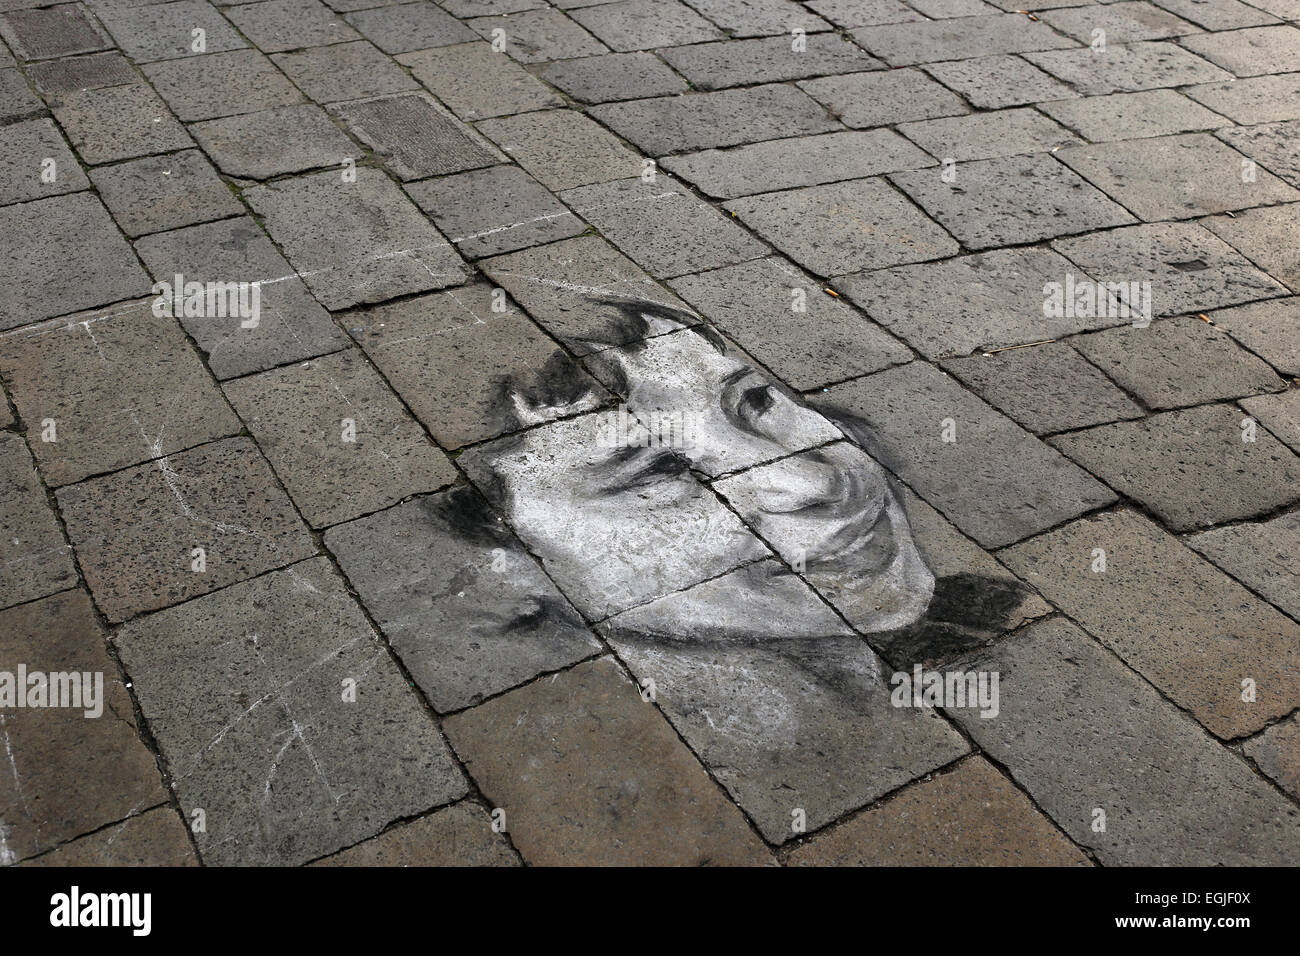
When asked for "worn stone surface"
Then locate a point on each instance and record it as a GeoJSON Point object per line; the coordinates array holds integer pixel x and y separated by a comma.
{"type": "Point", "coordinates": [338, 438]}
{"type": "Point", "coordinates": [1011, 485]}
{"type": "Point", "coordinates": [34, 560]}
{"type": "Point", "coordinates": [902, 44]}
{"type": "Point", "coordinates": [644, 24]}
{"type": "Point", "coordinates": [135, 531]}
{"type": "Point", "coordinates": [716, 66]}
{"type": "Point", "coordinates": [1120, 22]}
{"type": "Point", "coordinates": [824, 342]}
{"type": "Point", "coordinates": [644, 798]}
{"type": "Point", "coordinates": [1191, 467]}
{"type": "Point", "coordinates": [1127, 68]}
{"type": "Point", "coordinates": [108, 382]}
{"type": "Point", "coordinates": [287, 139]}
{"type": "Point", "coordinates": [164, 192]}
{"type": "Point", "coordinates": [1126, 116]}
{"type": "Point", "coordinates": [343, 71]}
{"type": "Point", "coordinates": [1279, 413]}
{"type": "Point", "coordinates": [613, 76]}
{"type": "Point", "coordinates": [118, 122]}
{"type": "Point", "coordinates": [861, 100]}
{"type": "Point", "coordinates": [1262, 236]}
{"type": "Point", "coordinates": [275, 26]}
{"type": "Point", "coordinates": [1217, 14]}
{"type": "Point", "coordinates": [460, 835]}
{"type": "Point", "coordinates": [1277, 752]}
{"type": "Point", "coordinates": [988, 135]}
{"type": "Point", "coordinates": [1019, 199]}
{"type": "Point", "coordinates": [844, 227]}
{"type": "Point", "coordinates": [221, 84]}
{"type": "Point", "coordinates": [562, 149]}
{"type": "Point", "coordinates": [991, 300]}
{"type": "Point", "coordinates": [995, 82]}
{"type": "Point", "coordinates": [1251, 52]}
{"type": "Point", "coordinates": [416, 138]}
{"type": "Point", "coordinates": [68, 773]}
{"type": "Point", "coordinates": [476, 83]}
{"type": "Point", "coordinates": [59, 30]}
{"type": "Point", "coordinates": [535, 36]}
{"type": "Point", "coordinates": [405, 27]}
{"type": "Point", "coordinates": [1259, 554]}
{"type": "Point", "coordinates": [25, 152]}
{"type": "Point", "coordinates": [53, 77]}
{"type": "Point", "coordinates": [857, 13]}
{"type": "Point", "coordinates": [744, 695]}
{"type": "Point", "coordinates": [466, 608]}
{"type": "Point", "coordinates": [753, 18]}
{"type": "Point", "coordinates": [164, 31]}
{"type": "Point", "coordinates": [1272, 145]}
{"type": "Point", "coordinates": [1080, 732]}
{"type": "Point", "coordinates": [17, 101]}
{"type": "Point", "coordinates": [290, 326]}
{"type": "Point", "coordinates": [486, 212]}
{"type": "Point", "coordinates": [285, 767]}
{"type": "Point", "coordinates": [1270, 329]}
{"type": "Point", "coordinates": [972, 816]}
{"type": "Point", "coordinates": [789, 163]}
{"type": "Point", "coordinates": [662, 227]}
{"type": "Point", "coordinates": [355, 242]}
{"type": "Point", "coordinates": [1259, 99]}
{"type": "Point", "coordinates": [155, 837]}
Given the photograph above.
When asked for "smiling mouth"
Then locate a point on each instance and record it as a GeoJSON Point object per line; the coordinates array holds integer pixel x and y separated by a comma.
{"type": "Point", "coordinates": [864, 534]}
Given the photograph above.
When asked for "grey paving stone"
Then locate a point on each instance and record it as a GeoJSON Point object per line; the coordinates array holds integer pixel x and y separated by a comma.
{"type": "Point", "coordinates": [991, 300]}
{"type": "Point", "coordinates": [343, 71]}
{"type": "Point", "coordinates": [826, 342]}
{"type": "Point", "coordinates": [661, 227]}
{"type": "Point", "coordinates": [1251, 52]}
{"type": "Point", "coordinates": [1119, 22]}
{"type": "Point", "coordinates": [410, 26]}
{"type": "Point", "coordinates": [535, 36]}
{"type": "Point", "coordinates": [614, 76]}
{"type": "Point", "coordinates": [285, 766]}
{"type": "Point", "coordinates": [1190, 269]}
{"type": "Point", "coordinates": [1269, 329]}
{"type": "Point", "coordinates": [1176, 177]}
{"type": "Point", "coordinates": [1279, 413]}
{"type": "Point", "coordinates": [904, 44]}
{"type": "Point", "coordinates": [1191, 467]}
{"type": "Point", "coordinates": [1272, 144]}
{"type": "Point", "coordinates": [715, 66]}
{"type": "Point", "coordinates": [988, 135]}
{"type": "Point", "coordinates": [467, 371]}
{"type": "Point", "coordinates": [136, 531]}
{"type": "Point", "coordinates": [845, 227]}
{"type": "Point", "coordinates": [1011, 484]}
{"type": "Point", "coordinates": [60, 255]}
{"type": "Point", "coordinates": [1277, 753]}
{"type": "Point", "coordinates": [490, 211]}
{"type": "Point", "coordinates": [1285, 9]}
{"type": "Point", "coordinates": [275, 26]}
{"type": "Point", "coordinates": [414, 137]}
{"type": "Point", "coordinates": [947, 9]}
{"type": "Point", "coordinates": [155, 837]}
{"type": "Point", "coordinates": [164, 192]}
{"type": "Point", "coordinates": [997, 202]}
{"type": "Point", "coordinates": [26, 152]}
{"type": "Point", "coordinates": [338, 437]}
{"type": "Point", "coordinates": [483, 8]}
{"type": "Point", "coordinates": [581, 291]}
{"type": "Point", "coordinates": [1171, 796]}
{"type": "Point", "coordinates": [645, 798]}
{"type": "Point", "coordinates": [355, 242]}
{"type": "Point", "coordinates": [535, 479]}
{"type": "Point", "coordinates": [1217, 14]}
{"type": "Point", "coordinates": [221, 84]}
{"type": "Point", "coordinates": [1047, 388]}
{"type": "Point", "coordinates": [460, 835]}
{"type": "Point", "coordinates": [291, 326]}
{"type": "Point", "coordinates": [287, 139]}
{"type": "Point", "coordinates": [862, 100]}
{"type": "Point", "coordinates": [678, 124]}
{"type": "Point", "coordinates": [754, 690]}
{"type": "Point", "coordinates": [344, 6]}
{"type": "Point", "coordinates": [994, 82]}
{"type": "Point", "coordinates": [1264, 235]}
{"type": "Point", "coordinates": [562, 148]}
{"type": "Point", "coordinates": [39, 34]}
{"type": "Point", "coordinates": [53, 77]}
{"type": "Point", "coordinates": [121, 122]}
{"type": "Point", "coordinates": [465, 607]}
{"type": "Point", "coordinates": [1258, 99]}
{"type": "Point", "coordinates": [861, 13]}
{"type": "Point", "coordinates": [642, 24]}
{"type": "Point", "coordinates": [743, 418]}
{"type": "Point", "coordinates": [1127, 68]}
{"type": "Point", "coordinates": [756, 18]}
{"type": "Point", "coordinates": [34, 560]}
{"type": "Point", "coordinates": [1127, 116]}
{"type": "Point", "coordinates": [109, 381]}
{"type": "Point", "coordinates": [164, 31]}
{"type": "Point", "coordinates": [790, 163]}
{"type": "Point", "coordinates": [17, 100]}
{"type": "Point", "coordinates": [1178, 362]}
{"type": "Point", "coordinates": [1259, 554]}
{"type": "Point", "coordinates": [67, 774]}
{"type": "Point", "coordinates": [476, 83]}
{"type": "Point", "coordinates": [1196, 644]}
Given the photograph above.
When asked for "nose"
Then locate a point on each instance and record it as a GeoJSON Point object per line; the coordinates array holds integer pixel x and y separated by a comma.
{"type": "Point", "coordinates": [812, 482]}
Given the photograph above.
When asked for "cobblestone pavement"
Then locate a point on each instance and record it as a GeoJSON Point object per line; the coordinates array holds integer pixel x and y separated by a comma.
{"type": "Point", "coordinates": [454, 432]}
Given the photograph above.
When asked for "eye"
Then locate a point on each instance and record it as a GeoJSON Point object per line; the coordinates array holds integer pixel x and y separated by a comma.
{"type": "Point", "coordinates": [755, 400]}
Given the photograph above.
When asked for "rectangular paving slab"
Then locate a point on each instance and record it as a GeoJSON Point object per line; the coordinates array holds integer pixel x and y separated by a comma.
{"type": "Point", "coordinates": [165, 31]}
{"type": "Point", "coordinates": [861, 100]}
{"type": "Point", "coordinates": [1125, 116]}
{"type": "Point", "coordinates": [1259, 99]}
{"type": "Point", "coordinates": [613, 76]}
{"type": "Point", "coordinates": [1262, 235]}
{"type": "Point", "coordinates": [187, 524]}
{"type": "Point", "coordinates": [1259, 554]}
{"type": "Point", "coordinates": [466, 608]}
{"type": "Point", "coordinates": [28, 152]}
{"type": "Point", "coordinates": [563, 148]}
{"type": "Point", "coordinates": [118, 122]}
{"type": "Point", "coordinates": [343, 71]}
{"type": "Point", "coordinates": [476, 82]}
{"type": "Point", "coordinates": [902, 44]}
{"type": "Point", "coordinates": [1270, 329]}
{"type": "Point", "coordinates": [996, 82]}
{"type": "Point", "coordinates": [535, 36]}
{"type": "Point", "coordinates": [1126, 68]}
{"type": "Point", "coordinates": [1081, 733]}
{"type": "Point", "coordinates": [414, 137]}
{"type": "Point", "coordinates": [460, 835]}
{"type": "Point", "coordinates": [988, 135]}
{"type": "Point", "coordinates": [992, 479]}
{"type": "Point", "coordinates": [164, 192]}
{"type": "Point", "coordinates": [643, 24]}
{"type": "Point", "coordinates": [309, 739]}
{"type": "Point", "coordinates": [221, 84]}
{"type": "Point", "coordinates": [645, 799]}
{"type": "Point", "coordinates": [716, 66]}
{"type": "Point", "coordinates": [34, 560]}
